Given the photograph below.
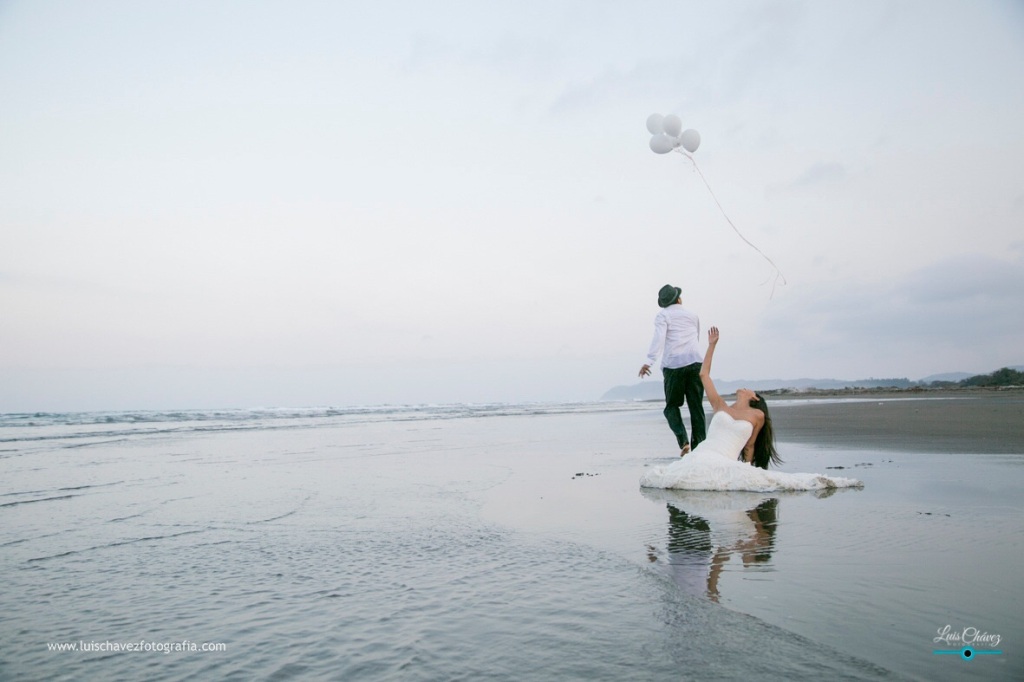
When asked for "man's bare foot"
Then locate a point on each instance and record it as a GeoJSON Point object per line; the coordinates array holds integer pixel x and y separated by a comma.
{"type": "Point", "coordinates": [686, 450]}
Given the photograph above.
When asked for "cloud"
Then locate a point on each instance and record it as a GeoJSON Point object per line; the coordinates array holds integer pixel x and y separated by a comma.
{"type": "Point", "coordinates": [969, 305]}
{"type": "Point", "coordinates": [526, 57]}
{"type": "Point", "coordinates": [972, 278]}
{"type": "Point", "coordinates": [817, 175]}
{"type": "Point", "coordinates": [612, 85]}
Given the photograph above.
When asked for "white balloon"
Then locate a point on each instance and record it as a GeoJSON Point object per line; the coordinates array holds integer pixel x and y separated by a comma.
{"type": "Point", "coordinates": [654, 124]}
{"type": "Point", "coordinates": [690, 139]}
{"type": "Point", "coordinates": [672, 124]}
{"type": "Point", "coordinates": [661, 143]}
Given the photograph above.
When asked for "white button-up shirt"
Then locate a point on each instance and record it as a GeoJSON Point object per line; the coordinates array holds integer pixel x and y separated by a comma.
{"type": "Point", "coordinates": [676, 338]}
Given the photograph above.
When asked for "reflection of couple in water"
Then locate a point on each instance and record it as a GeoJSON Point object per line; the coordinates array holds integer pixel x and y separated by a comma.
{"type": "Point", "coordinates": [735, 452]}
{"type": "Point", "coordinates": [698, 553]}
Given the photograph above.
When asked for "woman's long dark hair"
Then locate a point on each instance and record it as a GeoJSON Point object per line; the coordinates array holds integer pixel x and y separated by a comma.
{"type": "Point", "coordinates": [766, 514]}
{"type": "Point", "coordinates": [764, 444]}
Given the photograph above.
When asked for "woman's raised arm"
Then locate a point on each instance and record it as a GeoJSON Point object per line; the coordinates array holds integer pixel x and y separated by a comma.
{"type": "Point", "coordinates": [705, 373]}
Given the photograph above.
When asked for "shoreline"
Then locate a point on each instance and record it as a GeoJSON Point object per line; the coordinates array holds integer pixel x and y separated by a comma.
{"type": "Point", "coordinates": [882, 391]}
{"type": "Point", "coordinates": [879, 392]}
{"type": "Point", "coordinates": [941, 421]}
{"type": "Point", "coordinates": [975, 423]}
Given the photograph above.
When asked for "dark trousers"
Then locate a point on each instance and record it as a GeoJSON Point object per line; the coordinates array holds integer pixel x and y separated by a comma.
{"type": "Point", "coordinates": [682, 386]}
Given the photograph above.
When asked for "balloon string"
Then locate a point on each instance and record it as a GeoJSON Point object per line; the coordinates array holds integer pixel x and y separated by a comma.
{"type": "Point", "coordinates": [778, 273]}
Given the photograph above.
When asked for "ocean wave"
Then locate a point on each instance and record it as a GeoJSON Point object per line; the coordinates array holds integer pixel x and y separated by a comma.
{"type": "Point", "coordinates": [83, 429]}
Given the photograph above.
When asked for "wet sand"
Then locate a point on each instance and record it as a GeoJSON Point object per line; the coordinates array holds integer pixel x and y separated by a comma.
{"type": "Point", "coordinates": [977, 422]}
{"type": "Point", "coordinates": [930, 540]}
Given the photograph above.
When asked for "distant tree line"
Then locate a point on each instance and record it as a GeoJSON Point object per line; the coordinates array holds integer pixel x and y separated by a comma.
{"type": "Point", "coordinates": [1000, 377]}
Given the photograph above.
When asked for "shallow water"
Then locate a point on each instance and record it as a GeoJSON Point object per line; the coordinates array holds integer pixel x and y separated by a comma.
{"type": "Point", "coordinates": [494, 542]}
{"type": "Point", "coordinates": [930, 541]}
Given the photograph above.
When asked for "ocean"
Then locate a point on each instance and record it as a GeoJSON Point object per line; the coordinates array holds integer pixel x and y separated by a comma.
{"type": "Point", "coordinates": [503, 542]}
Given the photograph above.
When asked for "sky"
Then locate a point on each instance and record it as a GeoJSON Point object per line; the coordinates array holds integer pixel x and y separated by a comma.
{"type": "Point", "coordinates": [252, 204]}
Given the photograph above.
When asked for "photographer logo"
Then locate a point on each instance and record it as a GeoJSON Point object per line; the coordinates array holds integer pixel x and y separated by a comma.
{"type": "Point", "coordinates": [969, 642]}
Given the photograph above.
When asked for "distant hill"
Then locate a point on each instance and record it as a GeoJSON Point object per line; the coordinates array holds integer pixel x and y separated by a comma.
{"type": "Point", "coordinates": [652, 388]}
{"type": "Point", "coordinates": [647, 390]}
{"type": "Point", "coordinates": [949, 376]}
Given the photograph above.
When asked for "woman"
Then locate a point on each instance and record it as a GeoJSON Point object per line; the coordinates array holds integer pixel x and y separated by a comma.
{"type": "Point", "coordinates": [749, 407]}
{"type": "Point", "coordinates": [739, 446]}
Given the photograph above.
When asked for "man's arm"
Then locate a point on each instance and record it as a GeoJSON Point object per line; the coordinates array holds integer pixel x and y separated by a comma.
{"type": "Point", "coordinates": [657, 344]}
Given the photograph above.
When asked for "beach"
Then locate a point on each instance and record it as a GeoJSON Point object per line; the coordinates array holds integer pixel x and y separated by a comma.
{"type": "Point", "coordinates": [508, 542]}
{"type": "Point", "coordinates": [979, 421]}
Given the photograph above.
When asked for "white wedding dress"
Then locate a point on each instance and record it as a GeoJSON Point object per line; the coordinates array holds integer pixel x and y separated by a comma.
{"type": "Point", "coordinates": [714, 465]}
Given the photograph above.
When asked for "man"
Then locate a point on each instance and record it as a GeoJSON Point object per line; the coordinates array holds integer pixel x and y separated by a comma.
{"type": "Point", "coordinates": [677, 340]}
